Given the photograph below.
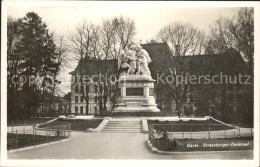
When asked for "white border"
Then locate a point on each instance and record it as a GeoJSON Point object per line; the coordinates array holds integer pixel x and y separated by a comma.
{"type": "Point", "coordinates": [150, 163]}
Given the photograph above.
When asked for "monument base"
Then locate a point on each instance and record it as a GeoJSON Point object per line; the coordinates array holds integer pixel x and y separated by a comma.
{"type": "Point", "coordinates": [136, 94]}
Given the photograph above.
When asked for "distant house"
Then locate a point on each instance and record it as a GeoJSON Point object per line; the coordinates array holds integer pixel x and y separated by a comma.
{"type": "Point", "coordinates": [230, 62]}
{"type": "Point", "coordinates": [52, 106]}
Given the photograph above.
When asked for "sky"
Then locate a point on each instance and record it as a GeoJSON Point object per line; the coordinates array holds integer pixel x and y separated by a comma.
{"type": "Point", "coordinates": [148, 19]}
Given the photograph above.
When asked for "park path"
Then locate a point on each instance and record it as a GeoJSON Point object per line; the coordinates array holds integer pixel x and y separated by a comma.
{"type": "Point", "coordinates": [114, 146]}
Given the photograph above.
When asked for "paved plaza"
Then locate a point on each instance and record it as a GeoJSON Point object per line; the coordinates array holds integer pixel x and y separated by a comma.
{"type": "Point", "coordinates": [114, 146]}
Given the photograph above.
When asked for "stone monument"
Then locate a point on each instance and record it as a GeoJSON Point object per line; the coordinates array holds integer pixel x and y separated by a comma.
{"type": "Point", "coordinates": [136, 85]}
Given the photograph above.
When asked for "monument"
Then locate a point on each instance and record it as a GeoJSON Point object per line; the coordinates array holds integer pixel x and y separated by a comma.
{"type": "Point", "coordinates": [135, 83]}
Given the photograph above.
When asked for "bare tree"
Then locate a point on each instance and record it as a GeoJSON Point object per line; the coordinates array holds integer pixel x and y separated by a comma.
{"type": "Point", "coordinates": [183, 38]}
{"type": "Point", "coordinates": [101, 44]}
{"type": "Point", "coordinates": [84, 46]}
{"type": "Point", "coordinates": [237, 32]}
{"type": "Point", "coordinates": [61, 61]}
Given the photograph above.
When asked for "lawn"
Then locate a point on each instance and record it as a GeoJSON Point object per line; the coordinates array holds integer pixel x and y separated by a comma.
{"type": "Point", "coordinates": [245, 143]}
{"type": "Point", "coordinates": [30, 121]}
{"type": "Point", "coordinates": [187, 126]}
{"type": "Point", "coordinates": [25, 140]}
{"type": "Point", "coordinates": [76, 124]}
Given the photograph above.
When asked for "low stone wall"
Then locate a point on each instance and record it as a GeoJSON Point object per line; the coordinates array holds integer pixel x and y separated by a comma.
{"type": "Point", "coordinates": [144, 126]}
{"type": "Point", "coordinates": [100, 126]}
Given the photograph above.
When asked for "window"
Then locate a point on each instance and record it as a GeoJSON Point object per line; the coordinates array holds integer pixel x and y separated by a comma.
{"type": "Point", "coordinates": [191, 98]}
{"type": "Point", "coordinates": [191, 110]}
{"type": "Point", "coordinates": [81, 109]}
{"type": "Point", "coordinates": [76, 99]}
{"type": "Point", "coordinates": [186, 112]}
{"type": "Point", "coordinates": [81, 99]}
{"type": "Point", "coordinates": [76, 79]}
{"type": "Point", "coordinates": [76, 109]}
{"type": "Point", "coordinates": [76, 89]}
{"type": "Point", "coordinates": [96, 88]}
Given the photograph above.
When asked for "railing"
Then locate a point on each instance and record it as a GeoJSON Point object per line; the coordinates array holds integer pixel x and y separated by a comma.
{"type": "Point", "coordinates": [192, 137]}
{"type": "Point", "coordinates": [23, 136]}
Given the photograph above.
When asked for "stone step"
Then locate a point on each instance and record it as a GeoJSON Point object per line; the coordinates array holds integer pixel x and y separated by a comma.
{"type": "Point", "coordinates": [121, 122]}
{"type": "Point", "coordinates": [123, 126]}
{"type": "Point", "coordinates": [127, 128]}
{"type": "Point", "coordinates": [123, 130]}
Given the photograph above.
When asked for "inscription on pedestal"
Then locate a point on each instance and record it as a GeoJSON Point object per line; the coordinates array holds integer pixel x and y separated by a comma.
{"type": "Point", "coordinates": [134, 91]}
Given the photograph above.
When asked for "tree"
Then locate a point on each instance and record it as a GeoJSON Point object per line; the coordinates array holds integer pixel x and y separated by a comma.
{"type": "Point", "coordinates": [84, 45]}
{"type": "Point", "coordinates": [13, 61]}
{"type": "Point", "coordinates": [183, 38]}
{"type": "Point", "coordinates": [238, 33]}
{"type": "Point", "coordinates": [55, 68]}
{"type": "Point", "coordinates": [99, 45]}
{"type": "Point", "coordinates": [34, 56]}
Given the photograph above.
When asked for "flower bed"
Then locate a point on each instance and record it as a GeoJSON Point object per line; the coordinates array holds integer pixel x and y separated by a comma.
{"type": "Point", "coordinates": [76, 124]}
{"type": "Point", "coordinates": [187, 126]}
{"type": "Point", "coordinates": [24, 140]}
{"type": "Point", "coordinates": [181, 145]}
{"type": "Point", "coordinates": [30, 121]}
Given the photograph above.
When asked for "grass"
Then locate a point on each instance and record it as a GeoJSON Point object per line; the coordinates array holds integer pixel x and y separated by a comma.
{"type": "Point", "coordinates": [76, 124]}
{"type": "Point", "coordinates": [245, 143]}
{"type": "Point", "coordinates": [187, 126]}
{"type": "Point", "coordinates": [25, 140]}
{"type": "Point", "coordinates": [30, 121]}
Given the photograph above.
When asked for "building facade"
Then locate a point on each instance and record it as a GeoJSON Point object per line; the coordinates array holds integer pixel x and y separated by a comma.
{"type": "Point", "coordinates": [92, 97]}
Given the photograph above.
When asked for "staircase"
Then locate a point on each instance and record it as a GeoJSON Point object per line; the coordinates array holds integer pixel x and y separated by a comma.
{"type": "Point", "coordinates": [123, 126]}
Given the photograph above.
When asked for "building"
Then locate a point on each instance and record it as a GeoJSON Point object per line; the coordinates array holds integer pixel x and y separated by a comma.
{"type": "Point", "coordinates": [87, 86]}
{"type": "Point", "coordinates": [53, 106]}
{"type": "Point", "coordinates": [202, 97]}
{"type": "Point", "coordinates": [212, 98]}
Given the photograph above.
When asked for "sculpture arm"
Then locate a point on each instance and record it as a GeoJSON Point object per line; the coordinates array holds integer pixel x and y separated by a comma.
{"type": "Point", "coordinates": [130, 58]}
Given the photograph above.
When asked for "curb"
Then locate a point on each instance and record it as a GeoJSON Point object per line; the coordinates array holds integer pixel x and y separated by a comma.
{"type": "Point", "coordinates": [223, 123]}
{"type": "Point", "coordinates": [50, 121]}
{"type": "Point", "coordinates": [100, 126]}
{"type": "Point", "coordinates": [36, 146]}
{"type": "Point", "coordinates": [188, 152]}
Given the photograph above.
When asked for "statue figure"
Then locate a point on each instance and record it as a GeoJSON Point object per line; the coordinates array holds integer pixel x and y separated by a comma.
{"type": "Point", "coordinates": [135, 61]}
{"type": "Point", "coordinates": [131, 53]}
{"type": "Point", "coordinates": [143, 59]}
{"type": "Point", "coordinates": [127, 61]}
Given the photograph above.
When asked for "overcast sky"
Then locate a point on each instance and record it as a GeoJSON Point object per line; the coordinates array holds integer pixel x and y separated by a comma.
{"type": "Point", "coordinates": [148, 19]}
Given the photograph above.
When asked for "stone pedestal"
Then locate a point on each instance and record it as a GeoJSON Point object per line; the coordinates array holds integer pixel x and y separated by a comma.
{"type": "Point", "coordinates": [136, 94]}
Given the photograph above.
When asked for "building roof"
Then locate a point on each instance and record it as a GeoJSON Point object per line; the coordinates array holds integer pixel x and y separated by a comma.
{"type": "Point", "coordinates": [90, 66]}
{"type": "Point", "coordinates": [162, 58]}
